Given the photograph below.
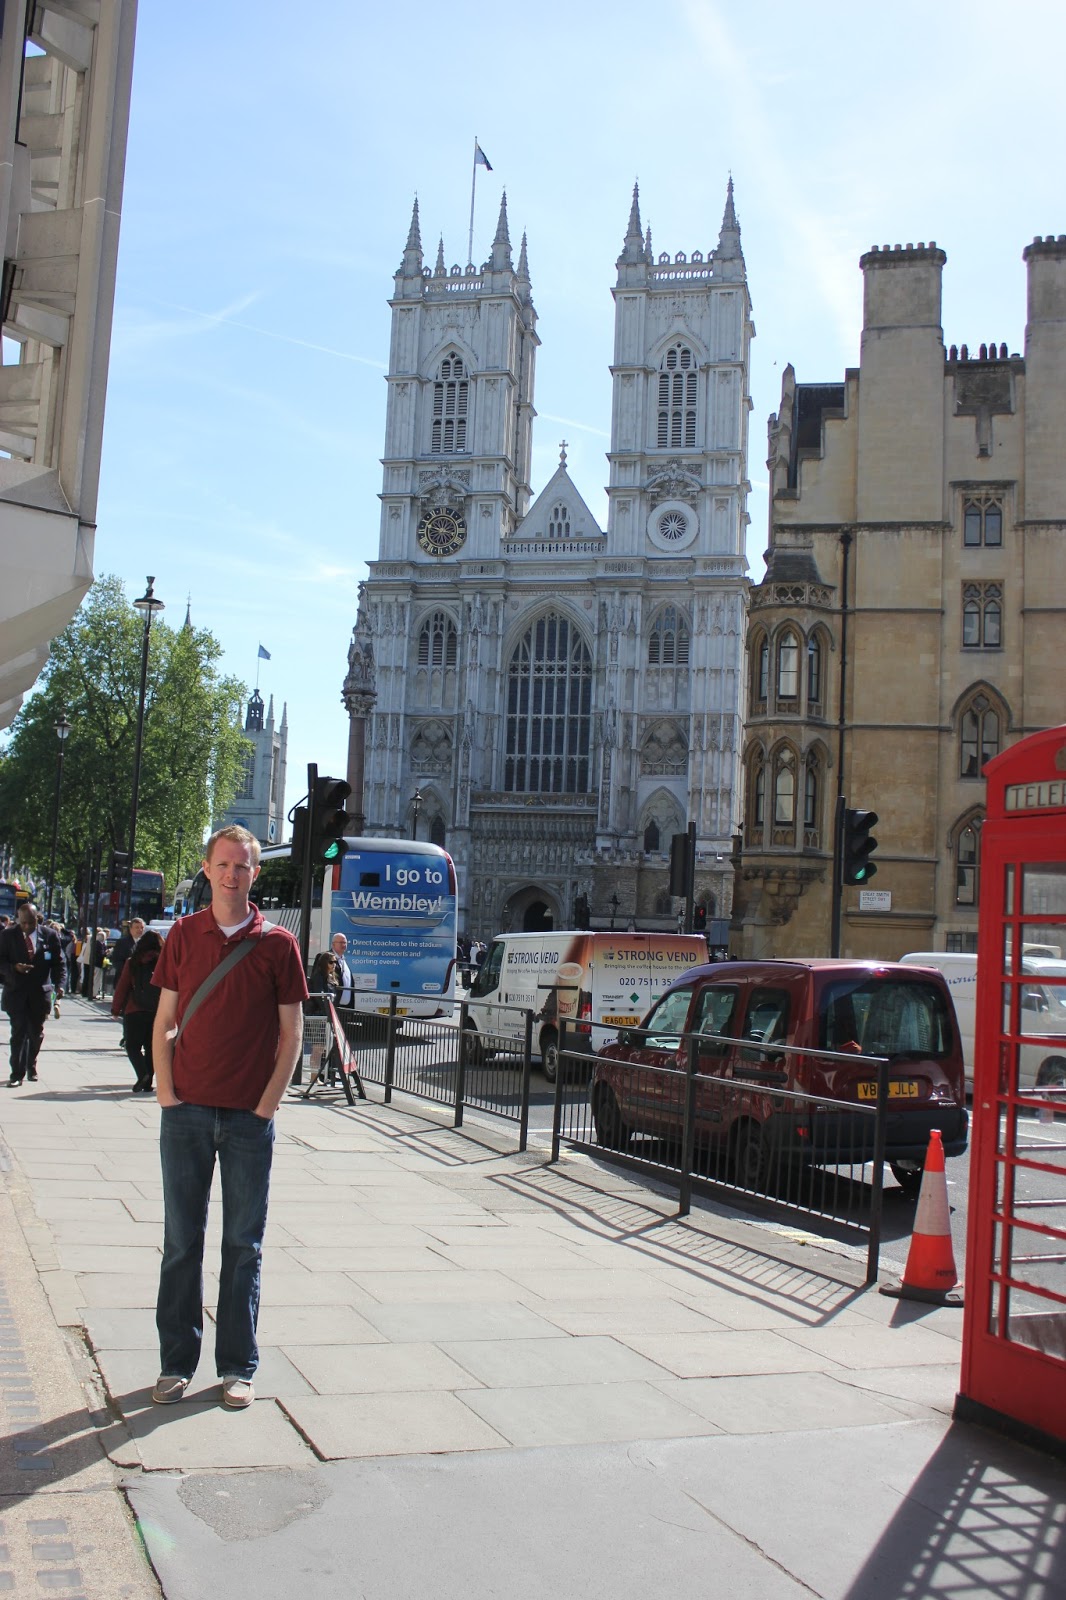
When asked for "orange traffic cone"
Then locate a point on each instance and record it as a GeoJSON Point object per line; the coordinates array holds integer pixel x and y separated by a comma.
{"type": "Point", "coordinates": [930, 1271]}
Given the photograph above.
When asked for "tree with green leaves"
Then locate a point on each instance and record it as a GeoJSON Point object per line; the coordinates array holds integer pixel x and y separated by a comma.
{"type": "Point", "coordinates": [192, 756]}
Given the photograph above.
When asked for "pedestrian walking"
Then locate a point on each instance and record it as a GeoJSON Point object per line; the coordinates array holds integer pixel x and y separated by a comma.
{"type": "Point", "coordinates": [228, 1033]}
{"type": "Point", "coordinates": [136, 1001]}
{"type": "Point", "coordinates": [339, 945]}
{"type": "Point", "coordinates": [31, 971]}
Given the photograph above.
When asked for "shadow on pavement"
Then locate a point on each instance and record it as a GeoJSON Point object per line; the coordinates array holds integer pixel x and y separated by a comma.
{"type": "Point", "coordinates": [984, 1520]}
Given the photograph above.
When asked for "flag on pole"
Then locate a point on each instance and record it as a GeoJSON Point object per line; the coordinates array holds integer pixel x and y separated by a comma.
{"type": "Point", "coordinates": [264, 655]}
{"type": "Point", "coordinates": [480, 158]}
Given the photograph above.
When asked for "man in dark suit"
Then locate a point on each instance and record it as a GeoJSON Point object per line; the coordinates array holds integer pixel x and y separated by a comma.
{"type": "Point", "coordinates": [31, 970]}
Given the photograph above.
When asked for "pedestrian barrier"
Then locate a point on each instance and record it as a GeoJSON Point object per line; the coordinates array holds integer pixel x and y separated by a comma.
{"type": "Point", "coordinates": [327, 1059]}
{"type": "Point", "coordinates": [749, 1138]}
{"type": "Point", "coordinates": [440, 1059]}
{"type": "Point", "coordinates": [930, 1273]}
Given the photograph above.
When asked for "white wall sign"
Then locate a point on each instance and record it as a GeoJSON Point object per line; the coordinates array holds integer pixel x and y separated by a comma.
{"type": "Point", "coordinates": [875, 900]}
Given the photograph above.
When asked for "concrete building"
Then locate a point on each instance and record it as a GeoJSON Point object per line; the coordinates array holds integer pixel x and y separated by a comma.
{"type": "Point", "coordinates": [259, 803]}
{"type": "Point", "coordinates": [561, 697]}
{"type": "Point", "coordinates": [65, 71]}
{"type": "Point", "coordinates": [912, 615]}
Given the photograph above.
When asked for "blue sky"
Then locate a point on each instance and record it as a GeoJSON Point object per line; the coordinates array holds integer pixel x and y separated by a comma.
{"type": "Point", "coordinates": [269, 180]}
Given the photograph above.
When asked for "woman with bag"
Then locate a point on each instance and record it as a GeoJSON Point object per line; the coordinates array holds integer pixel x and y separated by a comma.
{"type": "Point", "coordinates": [136, 1001]}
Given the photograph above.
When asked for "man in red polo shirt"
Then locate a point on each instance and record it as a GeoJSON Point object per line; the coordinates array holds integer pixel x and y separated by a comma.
{"type": "Point", "coordinates": [221, 1067]}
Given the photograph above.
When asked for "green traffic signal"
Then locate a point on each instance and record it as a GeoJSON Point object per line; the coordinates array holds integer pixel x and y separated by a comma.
{"type": "Point", "coordinates": [857, 846]}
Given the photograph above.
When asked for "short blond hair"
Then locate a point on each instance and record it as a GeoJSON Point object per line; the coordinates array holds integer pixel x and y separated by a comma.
{"type": "Point", "coordinates": [237, 835]}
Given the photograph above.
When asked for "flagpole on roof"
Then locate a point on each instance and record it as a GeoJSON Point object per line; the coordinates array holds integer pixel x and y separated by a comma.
{"type": "Point", "coordinates": [473, 187]}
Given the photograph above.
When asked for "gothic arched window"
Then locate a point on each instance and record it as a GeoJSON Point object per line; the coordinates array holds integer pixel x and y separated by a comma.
{"type": "Point", "coordinates": [651, 838]}
{"type": "Point", "coordinates": [668, 640]}
{"type": "Point", "coordinates": [559, 522]}
{"type": "Point", "coordinates": [436, 832]}
{"type": "Point", "coordinates": [677, 399]}
{"type": "Point", "coordinates": [784, 793]}
{"type": "Point", "coordinates": [451, 401]}
{"type": "Point", "coordinates": [788, 666]}
{"type": "Point", "coordinates": [760, 677]}
{"type": "Point", "coordinates": [979, 736]}
{"type": "Point", "coordinates": [549, 711]}
{"type": "Point", "coordinates": [814, 670]}
{"type": "Point", "coordinates": [967, 862]}
{"type": "Point", "coordinates": [437, 642]}
{"type": "Point", "coordinates": [810, 795]}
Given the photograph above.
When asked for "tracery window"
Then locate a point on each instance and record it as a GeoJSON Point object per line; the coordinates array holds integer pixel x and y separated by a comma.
{"type": "Point", "coordinates": [979, 736]}
{"type": "Point", "coordinates": [669, 639]}
{"type": "Point", "coordinates": [549, 711]}
{"type": "Point", "coordinates": [814, 670]}
{"type": "Point", "coordinates": [559, 522]}
{"type": "Point", "coordinates": [967, 862]}
{"type": "Point", "coordinates": [982, 521]}
{"type": "Point", "coordinates": [982, 616]}
{"type": "Point", "coordinates": [437, 641]}
{"type": "Point", "coordinates": [788, 666]}
{"type": "Point", "coordinates": [678, 389]}
{"type": "Point", "coordinates": [451, 401]}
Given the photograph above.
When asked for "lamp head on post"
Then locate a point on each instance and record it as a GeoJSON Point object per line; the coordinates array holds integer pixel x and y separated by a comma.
{"type": "Point", "coordinates": [147, 605]}
{"type": "Point", "coordinates": [62, 729]}
{"type": "Point", "coordinates": [416, 807]}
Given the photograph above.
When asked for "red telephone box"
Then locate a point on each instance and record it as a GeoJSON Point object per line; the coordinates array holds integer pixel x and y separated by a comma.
{"type": "Point", "coordinates": [1014, 1326]}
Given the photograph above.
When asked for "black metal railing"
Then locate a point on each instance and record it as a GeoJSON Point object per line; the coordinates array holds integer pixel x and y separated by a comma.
{"type": "Point", "coordinates": [445, 1059]}
{"type": "Point", "coordinates": [747, 1135]}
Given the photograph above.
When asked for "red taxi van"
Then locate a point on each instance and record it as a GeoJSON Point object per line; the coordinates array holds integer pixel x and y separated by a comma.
{"type": "Point", "coordinates": [852, 1008]}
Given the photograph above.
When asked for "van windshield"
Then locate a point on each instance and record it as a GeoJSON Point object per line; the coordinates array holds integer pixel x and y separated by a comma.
{"type": "Point", "coordinates": [885, 1017]}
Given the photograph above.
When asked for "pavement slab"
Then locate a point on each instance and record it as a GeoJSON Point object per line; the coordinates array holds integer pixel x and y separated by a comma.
{"type": "Point", "coordinates": [481, 1374]}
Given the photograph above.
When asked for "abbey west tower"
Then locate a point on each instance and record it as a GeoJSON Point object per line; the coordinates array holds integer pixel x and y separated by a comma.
{"type": "Point", "coordinates": [549, 700]}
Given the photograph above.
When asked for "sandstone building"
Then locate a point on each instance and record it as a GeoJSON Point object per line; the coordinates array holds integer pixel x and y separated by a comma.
{"type": "Point", "coordinates": [912, 615]}
{"type": "Point", "coordinates": [560, 697]}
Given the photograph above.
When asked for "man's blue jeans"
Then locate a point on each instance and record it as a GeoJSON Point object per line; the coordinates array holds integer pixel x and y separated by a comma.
{"type": "Point", "coordinates": [190, 1138]}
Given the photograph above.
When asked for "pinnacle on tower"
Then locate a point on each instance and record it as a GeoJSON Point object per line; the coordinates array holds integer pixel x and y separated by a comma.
{"type": "Point", "coordinates": [187, 624]}
{"type": "Point", "coordinates": [729, 257]}
{"type": "Point", "coordinates": [411, 265]}
{"type": "Point", "coordinates": [501, 245]}
{"type": "Point", "coordinates": [414, 236]}
{"type": "Point", "coordinates": [633, 247]}
{"type": "Point", "coordinates": [647, 244]}
{"type": "Point", "coordinates": [440, 270]}
{"type": "Point", "coordinates": [523, 259]}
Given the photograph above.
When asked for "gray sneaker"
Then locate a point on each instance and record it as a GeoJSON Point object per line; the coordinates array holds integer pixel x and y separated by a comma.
{"type": "Point", "coordinates": [237, 1393]}
{"type": "Point", "coordinates": [169, 1390]}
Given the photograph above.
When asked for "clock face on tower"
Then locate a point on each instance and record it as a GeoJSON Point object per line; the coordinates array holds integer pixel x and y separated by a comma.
{"type": "Point", "coordinates": [442, 530]}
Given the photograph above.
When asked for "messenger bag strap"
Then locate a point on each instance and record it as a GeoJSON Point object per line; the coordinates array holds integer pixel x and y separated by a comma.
{"type": "Point", "coordinates": [213, 979]}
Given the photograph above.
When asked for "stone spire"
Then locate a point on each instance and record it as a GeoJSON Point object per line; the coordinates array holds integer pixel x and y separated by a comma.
{"type": "Point", "coordinates": [729, 257]}
{"type": "Point", "coordinates": [411, 265]}
{"type": "Point", "coordinates": [187, 624]}
{"type": "Point", "coordinates": [501, 245]}
{"type": "Point", "coordinates": [647, 244]}
{"type": "Point", "coordinates": [633, 248]}
{"type": "Point", "coordinates": [440, 270]}
{"type": "Point", "coordinates": [522, 275]}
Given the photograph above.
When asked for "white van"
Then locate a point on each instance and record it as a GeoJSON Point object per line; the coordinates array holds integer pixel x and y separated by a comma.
{"type": "Point", "coordinates": [594, 982]}
{"type": "Point", "coordinates": [1043, 1011]}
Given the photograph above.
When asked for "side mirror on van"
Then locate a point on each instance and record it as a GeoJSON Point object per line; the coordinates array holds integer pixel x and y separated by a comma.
{"type": "Point", "coordinates": [1035, 1000]}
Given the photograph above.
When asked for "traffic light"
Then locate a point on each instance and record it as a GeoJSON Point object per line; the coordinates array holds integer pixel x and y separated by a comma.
{"type": "Point", "coordinates": [298, 842]}
{"type": "Point", "coordinates": [680, 865]}
{"type": "Point", "coordinates": [699, 919]}
{"type": "Point", "coordinates": [858, 846]}
{"type": "Point", "coordinates": [118, 877]}
{"type": "Point", "coordinates": [329, 819]}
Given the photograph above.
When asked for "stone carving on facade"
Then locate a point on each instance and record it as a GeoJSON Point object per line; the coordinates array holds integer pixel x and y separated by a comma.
{"type": "Point", "coordinates": [443, 481]}
{"type": "Point", "coordinates": [665, 750]}
{"type": "Point", "coordinates": [673, 481]}
{"type": "Point", "coordinates": [782, 888]}
{"type": "Point", "coordinates": [359, 689]}
{"type": "Point", "coordinates": [431, 748]}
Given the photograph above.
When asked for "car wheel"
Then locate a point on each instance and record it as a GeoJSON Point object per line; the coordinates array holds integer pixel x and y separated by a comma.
{"type": "Point", "coordinates": [751, 1157]}
{"type": "Point", "coordinates": [908, 1175]}
{"type": "Point", "coordinates": [473, 1052]}
{"type": "Point", "coordinates": [611, 1131]}
{"type": "Point", "coordinates": [549, 1055]}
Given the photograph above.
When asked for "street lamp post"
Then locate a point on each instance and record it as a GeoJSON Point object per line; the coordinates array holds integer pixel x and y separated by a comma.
{"type": "Point", "coordinates": [62, 729]}
{"type": "Point", "coordinates": [181, 841]}
{"type": "Point", "coordinates": [615, 903]}
{"type": "Point", "coordinates": [416, 807]}
{"type": "Point", "coordinates": [147, 605]}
